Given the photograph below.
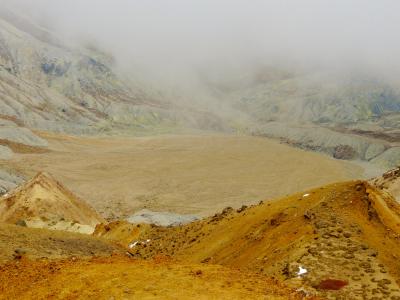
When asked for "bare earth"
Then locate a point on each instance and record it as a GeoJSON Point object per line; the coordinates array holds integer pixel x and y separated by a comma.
{"type": "Point", "coordinates": [121, 278]}
{"type": "Point", "coordinates": [345, 232]}
{"type": "Point", "coordinates": [184, 174]}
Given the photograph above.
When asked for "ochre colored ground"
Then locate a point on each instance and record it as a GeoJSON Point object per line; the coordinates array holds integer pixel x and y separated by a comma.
{"type": "Point", "coordinates": [345, 235]}
{"type": "Point", "coordinates": [124, 278]}
{"type": "Point", "coordinates": [346, 231]}
{"type": "Point", "coordinates": [54, 244]}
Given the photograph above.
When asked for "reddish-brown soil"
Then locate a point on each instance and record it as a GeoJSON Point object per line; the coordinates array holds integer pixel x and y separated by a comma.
{"type": "Point", "coordinates": [344, 232]}
{"type": "Point", "coordinates": [123, 278]}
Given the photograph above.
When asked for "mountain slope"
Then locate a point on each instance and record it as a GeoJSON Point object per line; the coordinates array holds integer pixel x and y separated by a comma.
{"type": "Point", "coordinates": [18, 242]}
{"type": "Point", "coordinates": [346, 231]}
{"type": "Point", "coordinates": [389, 183]}
{"type": "Point", "coordinates": [46, 83]}
{"type": "Point", "coordinates": [123, 278]}
{"type": "Point", "coordinates": [43, 201]}
{"type": "Point", "coordinates": [49, 83]}
{"type": "Point", "coordinates": [320, 110]}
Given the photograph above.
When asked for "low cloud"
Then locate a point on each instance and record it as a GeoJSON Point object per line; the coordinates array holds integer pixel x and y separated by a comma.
{"type": "Point", "coordinates": [174, 39]}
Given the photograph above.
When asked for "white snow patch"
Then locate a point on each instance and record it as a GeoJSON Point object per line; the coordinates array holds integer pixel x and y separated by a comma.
{"type": "Point", "coordinates": [134, 243]}
{"type": "Point", "coordinates": [160, 218]}
{"type": "Point", "coordinates": [301, 271]}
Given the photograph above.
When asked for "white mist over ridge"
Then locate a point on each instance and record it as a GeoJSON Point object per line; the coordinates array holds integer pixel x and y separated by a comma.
{"type": "Point", "coordinates": [173, 39]}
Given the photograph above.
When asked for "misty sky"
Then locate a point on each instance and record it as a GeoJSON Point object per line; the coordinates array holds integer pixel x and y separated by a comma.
{"type": "Point", "coordinates": [228, 34]}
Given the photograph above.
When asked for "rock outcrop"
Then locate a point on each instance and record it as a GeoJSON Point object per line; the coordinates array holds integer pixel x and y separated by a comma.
{"type": "Point", "coordinates": [44, 202]}
{"type": "Point", "coordinates": [389, 182]}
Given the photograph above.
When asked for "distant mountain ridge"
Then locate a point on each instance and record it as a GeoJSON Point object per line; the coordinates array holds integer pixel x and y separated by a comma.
{"type": "Point", "coordinates": [46, 84]}
{"type": "Point", "coordinates": [49, 85]}
{"type": "Point", "coordinates": [320, 111]}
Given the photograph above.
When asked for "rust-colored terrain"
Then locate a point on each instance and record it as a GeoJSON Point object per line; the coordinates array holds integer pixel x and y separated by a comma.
{"type": "Point", "coordinates": [17, 242]}
{"type": "Point", "coordinates": [338, 241]}
{"type": "Point", "coordinates": [124, 278]}
{"type": "Point", "coordinates": [344, 234]}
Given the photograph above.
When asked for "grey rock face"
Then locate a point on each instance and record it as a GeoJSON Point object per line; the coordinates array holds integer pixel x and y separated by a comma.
{"type": "Point", "coordinates": [320, 139]}
{"type": "Point", "coordinates": [22, 136]}
{"type": "Point", "coordinates": [5, 153]}
{"type": "Point", "coordinates": [160, 218]}
{"type": "Point", "coordinates": [374, 150]}
{"type": "Point", "coordinates": [49, 85]}
{"type": "Point", "coordinates": [312, 137]}
{"type": "Point", "coordinates": [320, 99]}
{"type": "Point", "coordinates": [8, 181]}
{"type": "Point", "coordinates": [389, 159]}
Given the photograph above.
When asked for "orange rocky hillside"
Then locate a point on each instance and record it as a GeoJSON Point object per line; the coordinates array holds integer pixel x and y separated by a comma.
{"type": "Point", "coordinates": [123, 278]}
{"type": "Point", "coordinates": [340, 240]}
{"type": "Point", "coordinates": [44, 202]}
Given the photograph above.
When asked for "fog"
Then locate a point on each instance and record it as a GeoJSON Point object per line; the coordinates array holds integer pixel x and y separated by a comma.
{"type": "Point", "coordinates": [175, 40]}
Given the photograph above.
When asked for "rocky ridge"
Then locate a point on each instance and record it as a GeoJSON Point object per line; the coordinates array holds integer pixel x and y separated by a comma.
{"type": "Point", "coordinates": [338, 241]}
{"type": "Point", "coordinates": [389, 183]}
{"type": "Point", "coordinates": [43, 202]}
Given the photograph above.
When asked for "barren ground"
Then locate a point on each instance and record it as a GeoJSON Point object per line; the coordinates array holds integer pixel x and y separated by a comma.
{"type": "Point", "coordinates": [53, 244]}
{"type": "Point", "coordinates": [344, 231]}
{"type": "Point", "coordinates": [122, 278]}
{"type": "Point", "coordinates": [184, 174]}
